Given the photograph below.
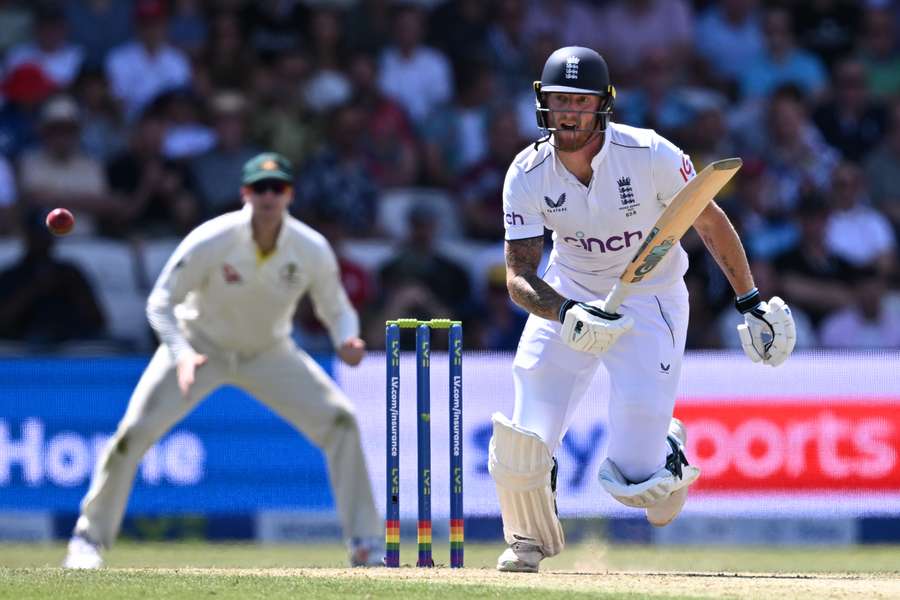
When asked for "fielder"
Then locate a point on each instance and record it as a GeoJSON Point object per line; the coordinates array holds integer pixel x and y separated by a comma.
{"type": "Point", "coordinates": [600, 186]}
{"type": "Point", "coordinates": [222, 308]}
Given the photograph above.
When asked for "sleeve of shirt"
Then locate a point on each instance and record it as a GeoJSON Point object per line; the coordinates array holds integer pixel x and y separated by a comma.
{"type": "Point", "coordinates": [187, 269]}
{"type": "Point", "coordinates": [522, 217]}
{"type": "Point", "coordinates": [670, 169]}
{"type": "Point", "coordinates": [330, 301]}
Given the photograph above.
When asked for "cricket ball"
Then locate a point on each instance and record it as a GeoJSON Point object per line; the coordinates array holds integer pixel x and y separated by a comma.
{"type": "Point", "coordinates": [60, 221]}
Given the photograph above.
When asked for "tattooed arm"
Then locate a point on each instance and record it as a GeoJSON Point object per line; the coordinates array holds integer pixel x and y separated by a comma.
{"type": "Point", "coordinates": [723, 243]}
{"type": "Point", "coordinates": [525, 287]}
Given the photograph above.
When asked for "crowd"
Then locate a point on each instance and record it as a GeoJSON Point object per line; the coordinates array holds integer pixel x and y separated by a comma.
{"type": "Point", "coordinates": [138, 115]}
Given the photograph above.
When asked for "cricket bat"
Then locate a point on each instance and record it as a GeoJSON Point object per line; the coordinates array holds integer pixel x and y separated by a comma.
{"type": "Point", "coordinates": [671, 225]}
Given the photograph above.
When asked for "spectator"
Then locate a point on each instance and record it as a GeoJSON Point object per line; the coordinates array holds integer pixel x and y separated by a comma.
{"type": "Point", "coordinates": [338, 176]}
{"type": "Point", "coordinates": [851, 121]}
{"type": "Point", "coordinates": [415, 75]}
{"type": "Point", "coordinates": [216, 173]}
{"type": "Point", "coordinates": [764, 222]}
{"type": "Point", "coordinates": [281, 116]}
{"type": "Point", "coordinates": [102, 130]}
{"type": "Point", "coordinates": [632, 27]}
{"type": "Point", "coordinates": [154, 190]}
{"type": "Point", "coordinates": [188, 27]}
{"type": "Point", "coordinates": [815, 279]}
{"type": "Point", "coordinates": [391, 142]}
{"type": "Point", "coordinates": [98, 27]}
{"type": "Point", "coordinates": [510, 48]}
{"type": "Point", "coordinates": [59, 173]}
{"type": "Point", "coordinates": [856, 232]}
{"type": "Point", "coordinates": [327, 85]}
{"type": "Point", "coordinates": [657, 101]}
{"type": "Point", "coordinates": [7, 198]}
{"type": "Point", "coordinates": [46, 300]}
{"type": "Point", "coordinates": [186, 136]}
{"type": "Point", "coordinates": [51, 49]}
{"type": "Point", "coordinates": [879, 52]}
{"type": "Point", "coordinates": [328, 42]}
{"type": "Point", "coordinates": [479, 188]}
{"type": "Point", "coordinates": [827, 27]}
{"type": "Point", "coordinates": [369, 25]}
{"type": "Point", "coordinates": [24, 89]}
{"type": "Point", "coordinates": [707, 138]}
{"type": "Point", "coordinates": [797, 155]}
{"type": "Point", "coordinates": [729, 37]}
{"type": "Point", "coordinates": [227, 56]}
{"type": "Point", "coordinates": [539, 50]}
{"type": "Point", "coordinates": [140, 70]}
{"type": "Point", "coordinates": [572, 22]}
{"type": "Point", "coordinates": [419, 262]}
{"type": "Point", "coordinates": [500, 322]}
{"type": "Point", "coordinates": [460, 29]}
{"type": "Point", "coordinates": [782, 62]}
{"type": "Point", "coordinates": [455, 135]}
{"type": "Point", "coordinates": [871, 321]}
{"type": "Point", "coordinates": [273, 26]}
{"type": "Point", "coordinates": [883, 171]}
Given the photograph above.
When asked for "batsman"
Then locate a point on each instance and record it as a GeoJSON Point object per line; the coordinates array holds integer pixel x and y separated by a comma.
{"type": "Point", "coordinates": [222, 308]}
{"type": "Point", "coordinates": [600, 187]}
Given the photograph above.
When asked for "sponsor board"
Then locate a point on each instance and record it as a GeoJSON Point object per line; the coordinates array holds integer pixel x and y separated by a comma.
{"type": "Point", "coordinates": [817, 436]}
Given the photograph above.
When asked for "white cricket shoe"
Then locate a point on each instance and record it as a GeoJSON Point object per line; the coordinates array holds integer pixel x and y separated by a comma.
{"type": "Point", "coordinates": [83, 554]}
{"type": "Point", "coordinates": [520, 557]}
{"type": "Point", "coordinates": [366, 552]}
{"type": "Point", "coordinates": [664, 512]}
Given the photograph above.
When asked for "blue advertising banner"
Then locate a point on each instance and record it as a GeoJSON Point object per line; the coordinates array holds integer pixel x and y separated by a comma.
{"type": "Point", "coordinates": [230, 455]}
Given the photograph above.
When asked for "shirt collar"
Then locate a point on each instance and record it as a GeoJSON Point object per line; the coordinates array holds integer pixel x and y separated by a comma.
{"type": "Point", "coordinates": [246, 229]}
{"type": "Point", "coordinates": [561, 169]}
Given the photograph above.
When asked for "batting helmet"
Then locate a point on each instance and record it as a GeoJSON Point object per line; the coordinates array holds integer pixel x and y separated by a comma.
{"type": "Point", "coordinates": [575, 70]}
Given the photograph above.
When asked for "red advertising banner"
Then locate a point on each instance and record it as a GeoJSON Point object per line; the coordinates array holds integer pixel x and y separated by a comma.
{"type": "Point", "coordinates": [785, 445]}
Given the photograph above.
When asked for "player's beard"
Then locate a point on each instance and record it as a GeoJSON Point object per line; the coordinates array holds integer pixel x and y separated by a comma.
{"type": "Point", "coordinates": [574, 140]}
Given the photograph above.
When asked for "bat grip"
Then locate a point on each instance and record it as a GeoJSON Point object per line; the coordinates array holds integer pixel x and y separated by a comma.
{"type": "Point", "coordinates": [615, 297]}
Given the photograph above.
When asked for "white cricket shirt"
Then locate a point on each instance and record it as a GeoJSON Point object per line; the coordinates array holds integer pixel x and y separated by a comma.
{"type": "Point", "coordinates": [597, 228]}
{"type": "Point", "coordinates": [217, 286]}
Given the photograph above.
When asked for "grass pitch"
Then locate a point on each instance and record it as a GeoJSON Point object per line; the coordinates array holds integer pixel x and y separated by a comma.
{"type": "Point", "coordinates": [589, 570]}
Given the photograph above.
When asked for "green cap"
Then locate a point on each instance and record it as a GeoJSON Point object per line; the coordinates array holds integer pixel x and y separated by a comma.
{"type": "Point", "coordinates": [268, 165]}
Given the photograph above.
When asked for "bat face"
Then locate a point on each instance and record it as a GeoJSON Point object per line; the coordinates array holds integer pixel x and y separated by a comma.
{"type": "Point", "coordinates": [678, 217]}
{"type": "Point", "coordinates": [654, 256]}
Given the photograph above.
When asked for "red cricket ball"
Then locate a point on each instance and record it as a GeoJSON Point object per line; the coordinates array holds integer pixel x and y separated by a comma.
{"type": "Point", "coordinates": [60, 221]}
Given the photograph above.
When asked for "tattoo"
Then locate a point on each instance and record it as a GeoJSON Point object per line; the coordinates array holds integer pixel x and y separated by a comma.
{"type": "Point", "coordinates": [525, 287]}
{"type": "Point", "coordinates": [728, 252]}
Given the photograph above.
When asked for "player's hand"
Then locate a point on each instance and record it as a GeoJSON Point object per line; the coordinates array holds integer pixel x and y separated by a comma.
{"type": "Point", "coordinates": [589, 328]}
{"type": "Point", "coordinates": [352, 351]}
{"type": "Point", "coordinates": [768, 334]}
{"type": "Point", "coordinates": [187, 368]}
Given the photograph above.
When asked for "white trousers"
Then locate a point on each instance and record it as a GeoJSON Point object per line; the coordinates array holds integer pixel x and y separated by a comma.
{"type": "Point", "coordinates": [644, 366]}
{"type": "Point", "coordinates": [284, 378]}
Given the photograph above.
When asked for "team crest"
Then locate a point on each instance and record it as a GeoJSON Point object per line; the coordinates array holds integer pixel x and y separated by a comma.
{"type": "Point", "coordinates": [626, 196]}
{"type": "Point", "coordinates": [556, 206]}
{"type": "Point", "coordinates": [269, 165]}
{"type": "Point", "coordinates": [290, 273]}
{"type": "Point", "coordinates": [572, 67]}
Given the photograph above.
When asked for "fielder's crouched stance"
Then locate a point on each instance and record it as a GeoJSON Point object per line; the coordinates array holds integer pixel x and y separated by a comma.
{"type": "Point", "coordinates": [223, 307]}
{"type": "Point", "coordinates": [600, 187]}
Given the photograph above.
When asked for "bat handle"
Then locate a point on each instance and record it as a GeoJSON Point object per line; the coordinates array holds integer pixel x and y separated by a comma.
{"type": "Point", "coordinates": [615, 297]}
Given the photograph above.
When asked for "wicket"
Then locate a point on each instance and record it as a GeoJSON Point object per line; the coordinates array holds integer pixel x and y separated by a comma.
{"type": "Point", "coordinates": [423, 435]}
